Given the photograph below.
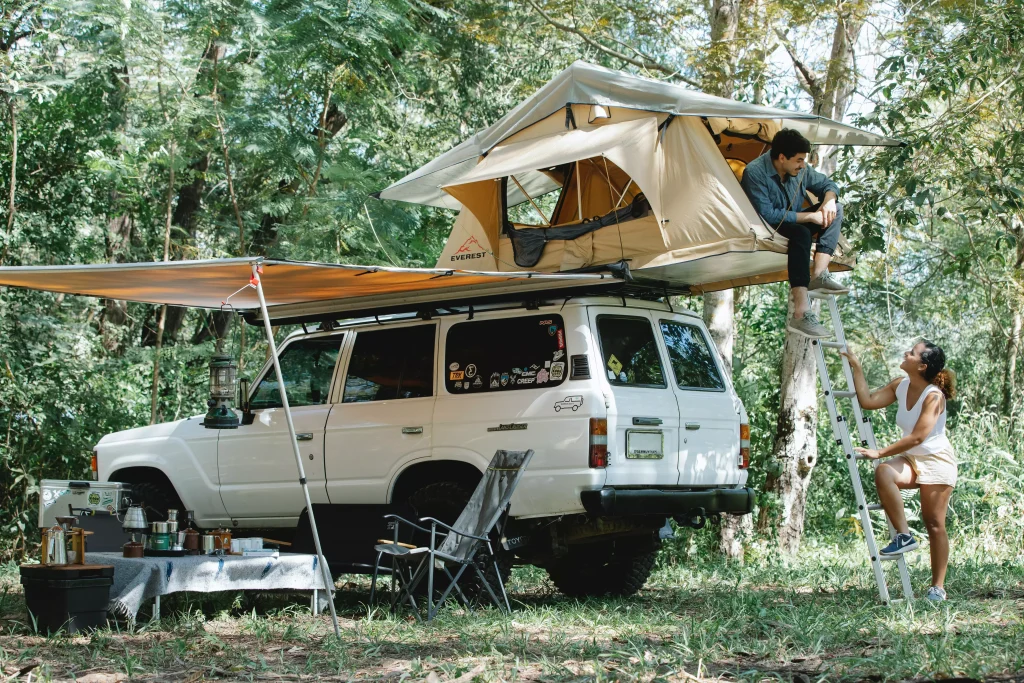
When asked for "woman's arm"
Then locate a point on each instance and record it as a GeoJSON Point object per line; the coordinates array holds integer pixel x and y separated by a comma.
{"type": "Point", "coordinates": [930, 411]}
{"type": "Point", "coordinates": [869, 400]}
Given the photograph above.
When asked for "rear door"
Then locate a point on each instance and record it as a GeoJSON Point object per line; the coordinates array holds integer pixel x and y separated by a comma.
{"type": "Point", "coordinates": [385, 415]}
{"type": "Point", "coordinates": [709, 424]}
{"type": "Point", "coordinates": [643, 417]}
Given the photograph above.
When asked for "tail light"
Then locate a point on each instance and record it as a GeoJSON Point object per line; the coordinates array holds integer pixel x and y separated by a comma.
{"type": "Point", "coordinates": [744, 459]}
{"type": "Point", "coordinates": [94, 466]}
{"type": "Point", "coordinates": [598, 442]}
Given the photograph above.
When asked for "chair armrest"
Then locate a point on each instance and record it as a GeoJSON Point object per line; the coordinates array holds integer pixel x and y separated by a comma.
{"type": "Point", "coordinates": [405, 521]}
{"type": "Point", "coordinates": [457, 533]}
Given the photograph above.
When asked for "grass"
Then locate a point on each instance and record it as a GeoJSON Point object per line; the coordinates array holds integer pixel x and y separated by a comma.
{"type": "Point", "coordinates": [814, 618]}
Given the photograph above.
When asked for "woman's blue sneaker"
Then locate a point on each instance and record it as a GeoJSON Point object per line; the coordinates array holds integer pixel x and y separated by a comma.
{"type": "Point", "coordinates": [936, 594]}
{"type": "Point", "coordinates": [903, 543]}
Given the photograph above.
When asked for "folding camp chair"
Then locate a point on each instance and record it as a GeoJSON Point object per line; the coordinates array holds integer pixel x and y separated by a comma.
{"type": "Point", "coordinates": [466, 544]}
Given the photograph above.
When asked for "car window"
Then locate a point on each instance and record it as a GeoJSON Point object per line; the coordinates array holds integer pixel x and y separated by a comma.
{"type": "Point", "coordinates": [692, 361]}
{"type": "Point", "coordinates": [391, 364]}
{"type": "Point", "coordinates": [504, 355]}
{"type": "Point", "coordinates": [631, 355]}
{"type": "Point", "coordinates": [307, 366]}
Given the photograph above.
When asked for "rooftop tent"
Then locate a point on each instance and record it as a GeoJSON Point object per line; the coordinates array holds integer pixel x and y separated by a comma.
{"type": "Point", "coordinates": [599, 167]}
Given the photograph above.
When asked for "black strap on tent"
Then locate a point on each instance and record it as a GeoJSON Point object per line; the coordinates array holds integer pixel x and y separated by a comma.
{"type": "Point", "coordinates": [570, 117]}
{"type": "Point", "coordinates": [528, 243]}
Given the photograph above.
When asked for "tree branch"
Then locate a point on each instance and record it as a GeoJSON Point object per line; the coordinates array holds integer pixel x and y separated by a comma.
{"type": "Point", "coordinates": [644, 62]}
{"type": "Point", "coordinates": [804, 74]}
{"type": "Point", "coordinates": [11, 208]}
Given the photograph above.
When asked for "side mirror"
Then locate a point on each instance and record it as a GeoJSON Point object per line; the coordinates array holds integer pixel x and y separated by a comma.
{"type": "Point", "coordinates": [243, 400]}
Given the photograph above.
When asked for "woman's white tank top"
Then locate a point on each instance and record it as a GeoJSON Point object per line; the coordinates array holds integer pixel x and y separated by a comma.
{"type": "Point", "coordinates": [907, 420]}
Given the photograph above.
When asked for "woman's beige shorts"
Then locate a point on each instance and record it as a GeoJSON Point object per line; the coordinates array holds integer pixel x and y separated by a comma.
{"type": "Point", "coordinates": [935, 468]}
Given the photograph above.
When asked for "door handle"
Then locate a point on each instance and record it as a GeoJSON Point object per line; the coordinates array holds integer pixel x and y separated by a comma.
{"type": "Point", "coordinates": [647, 421]}
{"type": "Point", "coordinates": [412, 430]}
{"type": "Point", "coordinates": [304, 436]}
{"type": "Point", "coordinates": [693, 425]}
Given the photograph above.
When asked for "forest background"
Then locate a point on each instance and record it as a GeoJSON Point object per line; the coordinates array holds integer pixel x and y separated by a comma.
{"type": "Point", "coordinates": [166, 130]}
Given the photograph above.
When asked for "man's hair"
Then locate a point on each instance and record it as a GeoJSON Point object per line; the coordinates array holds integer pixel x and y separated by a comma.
{"type": "Point", "coordinates": [789, 143]}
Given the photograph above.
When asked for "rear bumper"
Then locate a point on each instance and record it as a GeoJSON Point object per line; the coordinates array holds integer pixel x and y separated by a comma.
{"type": "Point", "coordinates": [611, 502]}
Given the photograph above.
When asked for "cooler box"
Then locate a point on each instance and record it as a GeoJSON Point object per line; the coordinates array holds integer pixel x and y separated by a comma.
{"type": "Point", "coordinates": [99, 506]}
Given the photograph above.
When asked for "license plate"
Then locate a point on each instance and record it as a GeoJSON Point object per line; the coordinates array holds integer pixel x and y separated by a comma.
{"type": "Point", "coordinates": [645, 444]}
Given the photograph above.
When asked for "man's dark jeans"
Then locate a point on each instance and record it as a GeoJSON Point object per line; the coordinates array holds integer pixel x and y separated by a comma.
{"type": "Point", "coordinates": [801, 236]}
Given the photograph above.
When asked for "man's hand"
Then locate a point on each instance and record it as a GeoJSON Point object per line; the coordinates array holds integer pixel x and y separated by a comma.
{"type": "Point", "coordinates": [828, 212]}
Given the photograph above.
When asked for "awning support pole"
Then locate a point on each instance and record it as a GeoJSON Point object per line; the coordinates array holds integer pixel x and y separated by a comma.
{"type": "Point", "coordinates": [321, 560]}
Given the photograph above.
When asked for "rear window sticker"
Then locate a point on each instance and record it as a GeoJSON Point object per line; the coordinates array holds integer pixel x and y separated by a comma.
{"type": "Point", "coordinates": [495, 383]}
{"type": "Point", "coordinates": [561, 340]}
{"type": "Point", "coordinates": [453, 367]}
{"type": "Point", "coordinates": [542, 376]}
{"type": "Point", "coordinates": [547, 364]}
{"type": "Point", "coordinates": [528, 373]}
{"type": "Point", "coordinates": [552, 329]}
{"type": "Point", "coordinates": [516, 371]}
{"type": "Point", "coordinates": [526, 380]}
{"type": "Point", "coordinates": [557, 372]}
{"type": "Point", "coordinates": [558, 355]}
{"type": "Point", "coordinates": [478, 382]}
{"type": "Point", "coordinates": [546, 322]}
{"type": "Point", "coordinates": [535, 367]}
{"type": "Point", "coordinates": [504, 378]}
{"type": "Point", "coordinates": [614, 364]}
{"type": "Point", "coordinates": [471, 371]}
{"type": "Point", "coordinates": [457, 374]}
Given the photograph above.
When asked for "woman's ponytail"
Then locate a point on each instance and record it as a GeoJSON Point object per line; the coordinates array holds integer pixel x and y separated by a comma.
{"type": "Point", "coordinates": [946, 381]}
{"type": "Point", "coordinates": [936, 371]}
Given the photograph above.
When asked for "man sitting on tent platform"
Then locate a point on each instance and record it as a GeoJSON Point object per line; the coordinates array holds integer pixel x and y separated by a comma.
{"type": "Point", "coordinates": [777, 182]}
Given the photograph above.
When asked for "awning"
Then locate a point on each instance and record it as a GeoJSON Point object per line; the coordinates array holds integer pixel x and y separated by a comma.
{"type": "Point", "coordinates": [289, 286]}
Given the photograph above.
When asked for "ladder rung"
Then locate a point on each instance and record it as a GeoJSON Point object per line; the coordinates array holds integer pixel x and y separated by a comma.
{"type": "Point", "coordinates": [832, 344]}
{"type": "Point", "coordinates": [889, 558]}
{"type": "Point", "coordinates": [821, 295]}
{"type": "Point", "coordinates": [875, 506]}
{"type": "Point", "coordinates": [844, 394]}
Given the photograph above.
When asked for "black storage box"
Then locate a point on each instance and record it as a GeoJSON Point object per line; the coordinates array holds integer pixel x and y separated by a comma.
{"type": "Point", "coordinates": [70, 597]}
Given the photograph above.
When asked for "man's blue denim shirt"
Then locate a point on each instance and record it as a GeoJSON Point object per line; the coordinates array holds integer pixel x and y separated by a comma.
{"type": "Point", "coordinates": [778, 202]}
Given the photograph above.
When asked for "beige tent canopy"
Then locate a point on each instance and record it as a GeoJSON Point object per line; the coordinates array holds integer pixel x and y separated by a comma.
{"type": "Point", "coordinates": [600, 167]}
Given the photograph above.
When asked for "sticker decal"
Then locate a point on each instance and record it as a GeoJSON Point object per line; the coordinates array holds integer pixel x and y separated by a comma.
{"type": "Point", "coordinates": [526, 380]}
{"type": "Point", "coordinates": [542, 376]}
{"type": "Point", "coordinates": [471, 371]}
{"type": "Point", "coordinates": [504, 378]}
{"type": "Point", "coordinates": [558, 355]}
{"type": "Point", "coordinates": [547, 364]}
{"type": "Point", "coordinates": [516, 371]}
{"type": "Point", "coordinates": [614, 364]}
{"type": "Point", "coordinates": [546, 322]}
{"type": "Point", "coordinates": [572, 403]}
{"type": "Point", "coordinates": [534, 367]}
{"type": "Point", "coordinates": [457, 374]}
{"type": "Point", "coordinates": [470, 249]}
{"type": "Point", "coordinates": [478, 382]}
{"type": "Point", "coordinates": [94, 499]}
{"type": "Point", "coordinates": [494, 383]}
{"type": "Point", "coordinates": [453, 367]}
{"type": "Point", "coordinates": [561, 340]}
{"type": "Point", "coordinates": [552, 329]}
{"type": "Point", "coordinates": [557, 372]}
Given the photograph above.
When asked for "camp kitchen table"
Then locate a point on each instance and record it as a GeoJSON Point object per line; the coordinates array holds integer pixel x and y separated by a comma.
{"type": "Point", "coordinates": [139, 579]}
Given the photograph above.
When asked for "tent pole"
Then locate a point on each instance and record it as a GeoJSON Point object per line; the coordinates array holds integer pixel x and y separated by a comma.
{"type": "Point", "coordinates": [324, 569]}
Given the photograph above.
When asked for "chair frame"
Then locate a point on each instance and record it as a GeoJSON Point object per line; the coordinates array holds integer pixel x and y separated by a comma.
{"type": "Point", "coordinates": [406, 580]}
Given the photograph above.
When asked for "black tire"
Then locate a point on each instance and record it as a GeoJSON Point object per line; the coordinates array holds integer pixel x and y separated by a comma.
{"type": "Point", "coordinates": [445, 500]}
{"type": "Point", "coordinates": [156, 498]}
{"type": "Point", "coordinates": [602, 571]}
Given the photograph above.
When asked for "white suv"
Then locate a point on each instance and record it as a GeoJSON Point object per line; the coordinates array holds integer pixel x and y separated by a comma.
{"type": "Point", "coordinates": [623, 401]}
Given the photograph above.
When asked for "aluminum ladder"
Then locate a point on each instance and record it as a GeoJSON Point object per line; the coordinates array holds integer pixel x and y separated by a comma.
{"type": "Point", "coordinates": [841, 430]}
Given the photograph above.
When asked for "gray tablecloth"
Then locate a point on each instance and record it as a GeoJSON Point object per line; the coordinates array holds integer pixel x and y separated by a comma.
{"type": "Point", "coordinates": [139, 579]}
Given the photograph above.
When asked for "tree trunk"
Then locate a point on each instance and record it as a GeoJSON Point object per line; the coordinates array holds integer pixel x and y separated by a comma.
{"type": "Point", "coordinates": [796, 445]}
{"type": "Point", "coordinates": [11, 207]}
{"type": "Point", "coordinates": [1012, 353]}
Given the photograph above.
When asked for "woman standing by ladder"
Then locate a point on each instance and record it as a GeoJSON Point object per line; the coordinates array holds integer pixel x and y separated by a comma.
{"type": "Point", "coordinates": [923, 457]}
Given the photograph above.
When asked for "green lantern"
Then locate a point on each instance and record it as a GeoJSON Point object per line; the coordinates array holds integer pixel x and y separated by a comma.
{"type": "Point", "coordinates": [222, 391]}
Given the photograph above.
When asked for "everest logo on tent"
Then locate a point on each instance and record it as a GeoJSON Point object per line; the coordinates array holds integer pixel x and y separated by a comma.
{"type": "Point", "coordinates": [468, 251]}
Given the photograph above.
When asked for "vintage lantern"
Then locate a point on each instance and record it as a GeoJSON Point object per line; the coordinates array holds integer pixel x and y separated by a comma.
{"type": "Point", "coordinates": [222, 391]}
